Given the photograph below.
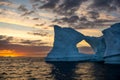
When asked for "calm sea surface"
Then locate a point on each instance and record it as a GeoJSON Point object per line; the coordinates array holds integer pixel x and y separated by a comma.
{"type": "Point", "coordinates": [38, 69]}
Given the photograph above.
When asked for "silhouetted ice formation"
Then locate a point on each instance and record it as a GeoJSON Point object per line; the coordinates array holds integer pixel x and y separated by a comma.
{"type": "Point", "coordinates": [106, 47]}
{"type": "Point", "coordinates": [64, 48]}
{"type": "Point", "coordinates": [112, 41]}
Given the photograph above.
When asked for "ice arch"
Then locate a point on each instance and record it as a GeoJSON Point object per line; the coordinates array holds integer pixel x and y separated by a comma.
{"type": "Point", "coordinates": [112, 40]}
{"type": "Point", "coordinates": [64, 47]}
{"type": "Point", "coordinates": [98, 45]}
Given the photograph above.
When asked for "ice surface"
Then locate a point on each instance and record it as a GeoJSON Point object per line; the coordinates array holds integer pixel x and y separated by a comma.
{"type": "Point", "coordinates": [112, 40]}
{"type": "Point", "coordinates": [98, 45]}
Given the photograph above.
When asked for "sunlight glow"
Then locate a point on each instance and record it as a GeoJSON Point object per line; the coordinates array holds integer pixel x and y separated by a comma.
{"type": "Point", "coordinates": [9, 53]}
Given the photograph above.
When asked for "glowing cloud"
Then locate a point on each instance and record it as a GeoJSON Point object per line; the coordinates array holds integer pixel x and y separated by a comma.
{"type": "Point", "coordinates": [9, 53]}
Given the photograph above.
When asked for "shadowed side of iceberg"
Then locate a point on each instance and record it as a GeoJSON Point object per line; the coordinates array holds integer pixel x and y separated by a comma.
{"type": "Point", "coordinates": [98, 45]}
{"type": "Point", "coordinates": [106, 47]}
{"type": "Point", "coordinates": [112, 40]}
{"type": "Point", "coordinates": [64, 48]}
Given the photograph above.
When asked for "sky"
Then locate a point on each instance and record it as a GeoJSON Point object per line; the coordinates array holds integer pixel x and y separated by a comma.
{"type": "Point", "coordinates": [26, 26]}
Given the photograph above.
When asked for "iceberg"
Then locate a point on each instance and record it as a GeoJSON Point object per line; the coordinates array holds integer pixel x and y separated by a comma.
{"type": "Point", "coordinates": [106, 47]}
{"type": "Point", "coordinates": [64, 47]}
{"type": "Point", "coordinates": [112, 41]}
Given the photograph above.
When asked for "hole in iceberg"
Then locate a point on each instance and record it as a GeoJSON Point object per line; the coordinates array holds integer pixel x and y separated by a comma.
{"type": "Point", "coordinates": [85, 48]}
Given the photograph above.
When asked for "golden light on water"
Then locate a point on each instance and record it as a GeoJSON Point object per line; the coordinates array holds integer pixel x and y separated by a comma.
{"type": "Point", "coordinates": [9, 53]}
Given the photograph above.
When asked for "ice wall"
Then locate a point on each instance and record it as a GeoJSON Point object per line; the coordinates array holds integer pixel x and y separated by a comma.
{"type": "Point", "coordinates": [64, 48]}
{"type": "Point", "coordinates": [112, 40]}
{"type": "Point", "coordinates": [98, 45]}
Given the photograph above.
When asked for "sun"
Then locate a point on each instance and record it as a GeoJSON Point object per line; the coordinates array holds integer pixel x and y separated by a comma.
{"type": "Point", "coordinates": [9, 53]}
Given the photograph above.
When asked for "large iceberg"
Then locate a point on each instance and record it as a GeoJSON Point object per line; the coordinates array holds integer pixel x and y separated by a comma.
{"type": "Point", "coordinates": [112, 41]}
{"type": "Point", "coordinates": [106, 47]}
{"type": "Point", "coordinates": [64, 48]}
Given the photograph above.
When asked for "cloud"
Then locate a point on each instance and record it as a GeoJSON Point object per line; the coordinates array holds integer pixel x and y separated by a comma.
{"type": "Point", "coordinates": [42, 24]}
{"type": "Point", "coordinates": [83, 22]}
{"type": "Point", "coordinates": [71, 19]}
{"type": "Point", "coordinates": [32, 51]}
{"type": "Point", "coordinates": [66, 7]}
{"type": "Point", "coordinates": [4, 40]}
{"type": "Point", "coordinates": [109, 5]}
{"type": "Point", "coordinates": [35, 19]}
{"type": "Point", "coordinates": [39, 33]}
{"type": "Point", "coordinates": [32, 42]}
{"type": "Point", "coordinates": [27, 13]}
{"type": "Point", "coordinates": [42, 1]}
{"type": "Point", "coordinates": [93, 14]}
{"type": "Point", "coordinates": [22, 8]}
{"type": "Point", "coordinates": [73, 13]}
{"type": "Point", "coordinates": [28, 47]}
{"type": "Point", "coordinates": [50, 4]}
{"type": "Point", "coordinates": [7, 4]}
{"type": "Point", "coordinates": [13, 40]}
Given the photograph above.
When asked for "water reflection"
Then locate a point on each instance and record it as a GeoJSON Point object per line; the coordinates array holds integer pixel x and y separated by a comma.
{"type": "Point", "coordinates": [112, 72]}
{"type": "Point", "coordinates": [84, 71]}
{"type": "Point", "coordinates": [63, 70]}
{"type": "Point", "coordinates": [38, 69]}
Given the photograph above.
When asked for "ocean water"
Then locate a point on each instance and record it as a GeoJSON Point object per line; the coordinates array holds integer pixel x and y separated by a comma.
{"type": "Point", "coordinates": [37, 69]}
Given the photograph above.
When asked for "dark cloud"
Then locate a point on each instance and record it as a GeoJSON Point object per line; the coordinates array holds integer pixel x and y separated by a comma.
{"type": "Point", "coordinates": [93, 14]}
{"type": "Point", "coordinates": [22, 8]}
{"type": "Point", "coordinates": [5, 39]}
{"type": "Point", "coordinates": [35, 19]}
{"type": "Point", "coordinates": [9, 40]}
{"type": "Point", "coordinates": [83, 22]}
{"type": "Point", "coordinates": [3, 0]}
{"type": "Point", "coordinates": [27, 50]}
{"type": "Point", "coordinates": [2, 36]}
{"type": "Point", "coordinates": [5, 3]}
{"type": "Point", "coordinates": [41, 1]}
{"type": "Point", "coordinates": [35, 46]}
{"type": "Point", "coordinates": [33, 1]}
{"type": "Point", "coordinates": [40, 24]}
{"type": "Point", "coordinates": [27, 13]}
{"type": "Point", "coordinates": [109, 5]}
{"type": "Point", "coordinates": [104, 21]}
{"type": "Point", "coordinates": [50, 4]}
{"type": "Point", "coordinates": [68, 7]}
{"type": "Point", "coordinates": [32, 42]}
{"type": "Point", "coordinates": [39, 33]}
{"type": "Point", "coordinates": [71, 19]}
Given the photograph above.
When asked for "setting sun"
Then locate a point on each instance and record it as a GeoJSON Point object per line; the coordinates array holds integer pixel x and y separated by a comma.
{"type": "Point", "coordinates": [9, 53]}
